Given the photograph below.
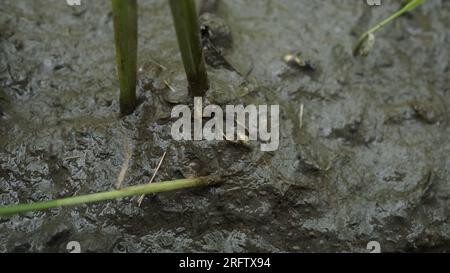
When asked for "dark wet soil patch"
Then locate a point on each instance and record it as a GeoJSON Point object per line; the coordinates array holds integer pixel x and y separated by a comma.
{"type": "Point", "coordinates": [367, 161]}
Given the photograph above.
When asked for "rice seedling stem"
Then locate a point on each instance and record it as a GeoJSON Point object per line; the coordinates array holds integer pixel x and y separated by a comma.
{"type": "Point", "coordinates": [408, 7]}
{"type": "Point", "coordinates": [187, 28]}
{"type": "Point", "coordinates": [103, 196]}
{"type": "Point", "coordinates": [125, 35]}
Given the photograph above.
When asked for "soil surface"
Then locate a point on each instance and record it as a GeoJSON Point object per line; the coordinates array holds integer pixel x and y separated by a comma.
{"type": "Point", "coordinates": [368, 160]}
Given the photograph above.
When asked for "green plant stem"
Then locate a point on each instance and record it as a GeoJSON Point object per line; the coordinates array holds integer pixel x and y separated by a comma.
{"type": "Point", "coordinates": [125, 35]}
{"type": "Point", "coordinates": [187, 28]}
{"type": "Point", "coordinates": [96, 197]}
{"type": "Point", "coordinates": [408, 7]}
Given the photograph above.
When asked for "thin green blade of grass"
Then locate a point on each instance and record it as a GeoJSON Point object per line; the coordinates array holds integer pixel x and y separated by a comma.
{"type": "Point", "coordinates": [125, 35]}
{"type": "Point", "coordinates": [187, 28]}
{"type": "Point", "coordinates": [104, 196]}
{"type": "Point", "coordinates": [368, 35]}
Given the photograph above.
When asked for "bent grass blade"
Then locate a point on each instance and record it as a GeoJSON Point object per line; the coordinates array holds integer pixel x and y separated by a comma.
{"type": "Point", "coordinates": [365, 43]}
{"type": "Point", "coordinates": [103, 196]}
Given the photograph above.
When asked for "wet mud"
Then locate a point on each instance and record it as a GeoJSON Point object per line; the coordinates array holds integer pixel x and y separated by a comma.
{"type": "Point", "coordinates": [367, 159]}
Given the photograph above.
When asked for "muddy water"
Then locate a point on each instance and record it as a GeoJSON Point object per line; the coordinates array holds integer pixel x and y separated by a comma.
{"type": "Point", "coordinates": [369, 160]}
